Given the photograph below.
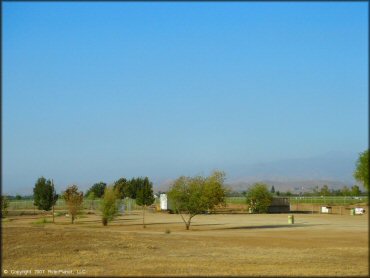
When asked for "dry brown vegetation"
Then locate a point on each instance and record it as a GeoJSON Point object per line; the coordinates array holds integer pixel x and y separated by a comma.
{"type": "Point", "coordinates": [237, 244]}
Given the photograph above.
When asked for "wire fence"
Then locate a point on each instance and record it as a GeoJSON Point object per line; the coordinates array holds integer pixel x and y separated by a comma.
{"type": "Point", "coordinates": [329, 200]}
{"type": "Point", "coordinates": [318, 200]}
{"type": "Point", "coordinates": [126, 204]}
{"type": "Point", "coordinates": [130, 204]}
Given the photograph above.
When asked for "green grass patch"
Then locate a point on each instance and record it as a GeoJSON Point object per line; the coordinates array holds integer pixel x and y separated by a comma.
{"type": "Point", "coordinates": [42, 221]}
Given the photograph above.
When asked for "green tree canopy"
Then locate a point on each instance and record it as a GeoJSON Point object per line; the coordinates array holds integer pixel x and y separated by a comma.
{"type": "Point", "coordinates": [122, 187]}
{"type": "Point", "coordinates": [345, 191]}
{"type": "Point", "coordinates": [355, 190]}
{"type": "Point", "coordinates": [98, 189]}
{"type": "Point", "coordinates": [258, 198]}
{"type": "Point", "coordinates": [44, 194]}
{"type": "Point", "coordinates": [133, 186]}
{"type": "Point", "coordinates": [325, 190]}
{"type": "Point", "coordinates": [361, 173]}
{"type": "Point", "coordinates": [195, 195]}
{"type": "Point", "coordinates": [144, 193]}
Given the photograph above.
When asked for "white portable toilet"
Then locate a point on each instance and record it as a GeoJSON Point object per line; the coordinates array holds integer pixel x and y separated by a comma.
{"type": "Point", "coordinates": [163, 201]}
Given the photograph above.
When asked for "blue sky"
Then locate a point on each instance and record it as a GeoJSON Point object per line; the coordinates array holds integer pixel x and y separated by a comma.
{"type": "Point", "coordinates": [97, 91]}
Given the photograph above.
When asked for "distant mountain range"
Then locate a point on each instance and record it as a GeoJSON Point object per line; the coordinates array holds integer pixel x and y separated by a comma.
{"type": "Point", "coordinates": [334, 169]}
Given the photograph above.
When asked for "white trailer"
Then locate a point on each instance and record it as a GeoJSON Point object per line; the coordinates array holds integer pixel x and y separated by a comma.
{"type": "Point", "coordinates": [325, 209]}
{"type": "Point", "coordinates": [359, 211]}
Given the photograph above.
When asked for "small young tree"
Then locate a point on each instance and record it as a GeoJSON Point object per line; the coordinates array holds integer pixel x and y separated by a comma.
{"type": "Point", "coordinates": [195, 195]}
{"type": "Point", "coordinates": [44, 194]}
{"type": "Point", "coordinates": [258, 198]}
{"type": "Point", "coordinates": [54, 198]}
{"type": "Point", "coordinates": [361, 173]}
{"type": "Point", "coordinates": [4, 206]}
{"type": "Point", "coordinates": [73, 199]}
{"type": "Point", "coordinates": [109, 205]}
{"type": "Point", "coordinates": [272, 190]}
{"type": "Point", "coordinates": [144, 195]}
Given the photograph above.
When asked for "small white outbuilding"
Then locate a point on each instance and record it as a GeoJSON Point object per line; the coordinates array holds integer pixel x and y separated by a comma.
{"type": "Point", "coordinates": [325, 209]}
{"type": "Point", "coordinates": [163, 201]}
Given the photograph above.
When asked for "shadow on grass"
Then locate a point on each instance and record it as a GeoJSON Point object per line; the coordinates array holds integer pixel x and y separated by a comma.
{"type": "Point", "coordinates": [206, 224]}
{"type": "Point", "coordinates": [270, 226]}
{"type": "Point", "coordinates": [151, 223]}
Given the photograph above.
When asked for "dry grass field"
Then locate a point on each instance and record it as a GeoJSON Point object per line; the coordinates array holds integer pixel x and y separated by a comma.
{"type": "Point", "coordinates": [235, 244]}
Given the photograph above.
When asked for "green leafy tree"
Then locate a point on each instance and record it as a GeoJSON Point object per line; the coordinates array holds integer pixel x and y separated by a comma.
{"type": "Point", "coordinates": [109, 205]}
{"type": "Point", "coordinates": [345, 191]}
{"type": "Point", "coordinates": [73, 199]}
{"type": "Point", "coordinates": [122, 187]}
{"type": "Point", "coordinates": [4, 206]}
{"type": "Point", "coordinates": [361, 173]}
{"type": "Point", "coordinates": [191, 196]}
{"type": "Point", "coordinates": [18, 197]}
{"type": "Point", "coordinates": [133, 187]}
{"type": "Point", "coordinates": [355, 190]}
{"type": "Point", "coordinates": [144, 194]}
{"type": "Point", "coordinates": [272, 189]}
{"type": "Point", "coordinates": [44, 194]}
{"type": "Point", "coordinates": [258, 198]}
{"type": "Point", "coordinates": [325, 190]}
{"type": "Point", "coordinates": [98, 189]}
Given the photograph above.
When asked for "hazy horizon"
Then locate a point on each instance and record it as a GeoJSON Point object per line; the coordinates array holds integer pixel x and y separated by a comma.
{"type": "Point", "coordinates": [97, 91]}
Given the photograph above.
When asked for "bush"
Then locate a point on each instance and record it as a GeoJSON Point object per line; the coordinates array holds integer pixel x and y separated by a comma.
{"type": "Point", "coordinates": [109, 205]}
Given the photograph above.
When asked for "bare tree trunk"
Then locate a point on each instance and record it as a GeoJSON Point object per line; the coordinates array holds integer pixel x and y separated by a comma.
{"type": "Point", "coordinates": [188, 223]}
{"type": "Point", "coordinates": [72, 218]}
{"type": "Point", "coordinates": [53, 214]}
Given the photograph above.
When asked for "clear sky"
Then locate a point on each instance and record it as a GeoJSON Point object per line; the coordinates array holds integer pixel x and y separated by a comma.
{"type": "Point", "coordinates": [99, 91]}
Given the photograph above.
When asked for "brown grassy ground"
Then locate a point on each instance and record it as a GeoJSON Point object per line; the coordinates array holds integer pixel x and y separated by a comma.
{"type": "Point", "coordinates": [238, 244]}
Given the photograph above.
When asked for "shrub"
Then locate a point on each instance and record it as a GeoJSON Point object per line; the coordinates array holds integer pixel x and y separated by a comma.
{"type": "Point", "coordinates": [109, 205]}
{"type": "Point", "coordinates": [258, 198]}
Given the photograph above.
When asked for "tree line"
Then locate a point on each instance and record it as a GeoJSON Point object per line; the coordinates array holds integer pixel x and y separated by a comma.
{"type": "Point", "coordinates": [190, 195]}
